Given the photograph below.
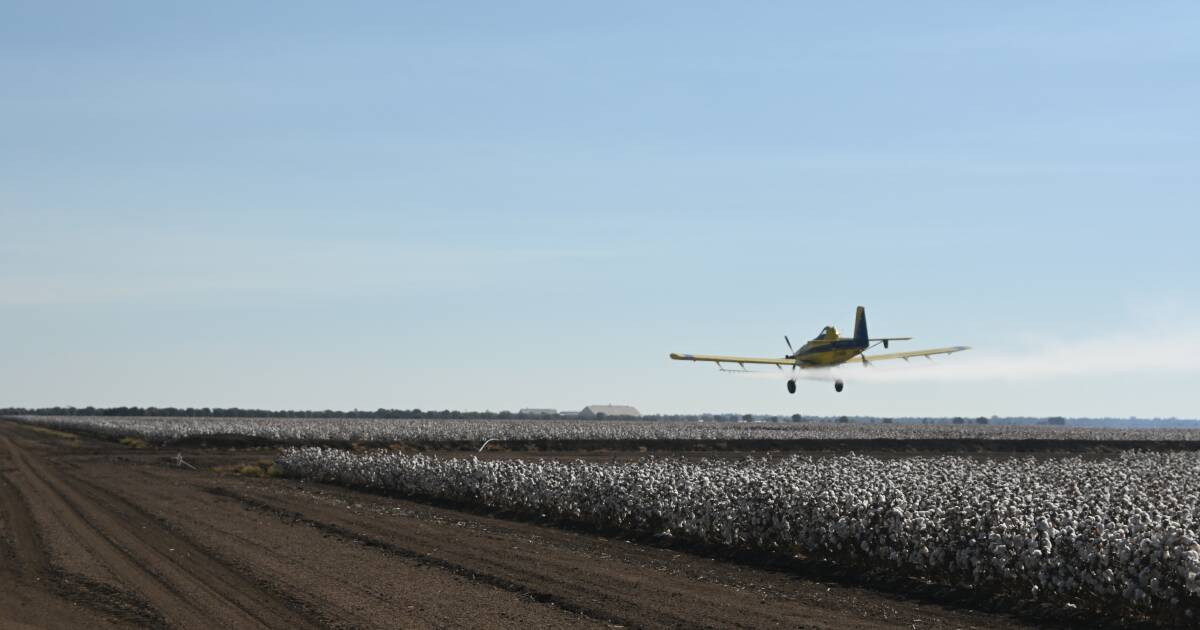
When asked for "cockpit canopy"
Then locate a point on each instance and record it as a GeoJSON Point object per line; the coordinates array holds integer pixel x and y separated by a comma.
{"type": "Point", "coordinates": [828, 332]}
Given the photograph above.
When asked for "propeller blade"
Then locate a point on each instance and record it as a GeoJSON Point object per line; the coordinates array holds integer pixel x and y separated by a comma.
{"type": "Point", "coordinates": [789, 343]}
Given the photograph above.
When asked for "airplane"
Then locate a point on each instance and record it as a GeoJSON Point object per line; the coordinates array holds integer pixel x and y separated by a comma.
{"type": "Point", "coordinates": [827, 350]}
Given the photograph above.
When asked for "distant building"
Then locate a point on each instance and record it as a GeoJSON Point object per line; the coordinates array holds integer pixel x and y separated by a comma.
{"type": "Point", "coordinates": [609, 411]}
{"type": "Point", "coordinates": [531, 411]}
{"type": "Point", "coordinates": [568, 414]}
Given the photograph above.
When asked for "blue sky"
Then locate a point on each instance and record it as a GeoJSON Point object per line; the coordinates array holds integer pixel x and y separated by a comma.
{"type": "Point", "coordinates": [437, 205]}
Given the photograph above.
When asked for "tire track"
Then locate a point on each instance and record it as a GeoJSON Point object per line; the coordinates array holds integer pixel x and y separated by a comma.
{"type": "Point", "coordinates": [28, 567]}
{"type": "Point", "coordinates": [21, 544]}
{"type": "Point", "coordinates": [236, 584]}
{"type": "Point", "coordinates": [342, 583]}
{"type": "Point", "coordinates": [178, 580]}
{"type": "Point", "coordinates": [607, 591]}
{"type": "Point", "coordinates": [347, 535]}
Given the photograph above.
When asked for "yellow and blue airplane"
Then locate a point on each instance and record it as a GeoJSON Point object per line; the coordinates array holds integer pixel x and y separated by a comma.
{"type": "Point", "coordinates": [827, 350]}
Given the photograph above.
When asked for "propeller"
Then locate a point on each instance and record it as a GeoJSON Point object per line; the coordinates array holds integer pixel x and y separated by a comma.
{"type": "Point", "coordinates": [792, 378]}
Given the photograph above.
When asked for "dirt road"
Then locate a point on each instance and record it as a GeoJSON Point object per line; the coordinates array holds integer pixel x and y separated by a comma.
{"type": "Point", "coordinates": [96, 534]}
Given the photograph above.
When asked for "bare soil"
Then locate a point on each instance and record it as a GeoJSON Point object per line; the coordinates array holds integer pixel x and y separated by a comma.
{"type": "Point", "coordinates": [97, 534]}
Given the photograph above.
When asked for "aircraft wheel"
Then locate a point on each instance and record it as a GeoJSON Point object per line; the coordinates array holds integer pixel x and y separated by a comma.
{"type": "Point", "coordinates": [791, 386]}
{"type": "Point", "coordinates": [838, 385]}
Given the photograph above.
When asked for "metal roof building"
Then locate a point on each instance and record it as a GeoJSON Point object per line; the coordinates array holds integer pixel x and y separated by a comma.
{"type": "Point", "coordinates": [624, 411]}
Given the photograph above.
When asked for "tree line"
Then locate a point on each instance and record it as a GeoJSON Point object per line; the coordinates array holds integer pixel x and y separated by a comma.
{"type": "Point", "coordinates": [237, 412]}
{"type": "Point", "coordinates": [380, 414]}
{"type": "Point", "coordinates": [444, 414]}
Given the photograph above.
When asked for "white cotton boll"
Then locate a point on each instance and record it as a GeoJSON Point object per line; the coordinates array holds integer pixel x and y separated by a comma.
{"type": "Point", "coordinates": [1055, 528]}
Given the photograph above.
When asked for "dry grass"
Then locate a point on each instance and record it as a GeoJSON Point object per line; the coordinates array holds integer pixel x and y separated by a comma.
{"type": "Point", "coordinates": [62, 435]}
{"type": "Point", "coordinates": [258, 469]}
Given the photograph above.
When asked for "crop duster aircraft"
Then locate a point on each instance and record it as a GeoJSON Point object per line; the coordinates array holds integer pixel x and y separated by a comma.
{"type": "Point", "coordinates": [827, 350]}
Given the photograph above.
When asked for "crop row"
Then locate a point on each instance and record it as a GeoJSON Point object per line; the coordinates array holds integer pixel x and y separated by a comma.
{"type": "Point", "coordinates": [309, 430]}
{"type": "Point", "coordinates": [1117, 534]}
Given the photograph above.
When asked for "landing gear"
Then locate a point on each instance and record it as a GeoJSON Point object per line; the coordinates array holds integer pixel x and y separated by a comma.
{"type": "Point", "coordinates": [791, 386]}
{"type": "Point", "coordinates": [838, 385]}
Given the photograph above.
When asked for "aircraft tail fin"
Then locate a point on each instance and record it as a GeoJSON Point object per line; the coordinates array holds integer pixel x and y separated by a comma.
{"type": "Point", "coordinates": [860, 326]}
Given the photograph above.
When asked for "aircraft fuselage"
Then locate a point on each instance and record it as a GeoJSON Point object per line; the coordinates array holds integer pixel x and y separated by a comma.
{"type": "Point", "coordinates": [828, 351]}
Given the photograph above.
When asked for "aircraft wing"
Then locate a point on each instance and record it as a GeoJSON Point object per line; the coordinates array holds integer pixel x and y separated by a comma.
{"type": "Point", "coordinates": [738, 360]}
{"type": "Point", "coordinates": [906, 355]}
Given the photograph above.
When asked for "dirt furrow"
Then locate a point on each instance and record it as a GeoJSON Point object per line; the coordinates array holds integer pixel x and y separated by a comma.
{"type": "Point", "coordinates": [199, 565]}
{"type": "Point", "coordinates": [34, 593]}
{"type": "Point", "coordinates": [19, 544]}
{"type": "Point", "coordinates": [177, 581]}
{"type": "Point", "coordinates": [590, 590]}
{"type": "Point", "coordinates": [344, 582]}
{"type": "Point", "coordinates": [582, 574]}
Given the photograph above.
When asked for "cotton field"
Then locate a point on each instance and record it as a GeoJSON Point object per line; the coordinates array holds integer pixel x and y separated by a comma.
{"type": "Point", "coordinates": [307, 430]}
{"type": "Point", "coordinates": [1118, 533]}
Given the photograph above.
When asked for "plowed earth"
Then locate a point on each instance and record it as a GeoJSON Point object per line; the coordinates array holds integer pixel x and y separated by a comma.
{"type": "Point", "coordinates": [99, 535]}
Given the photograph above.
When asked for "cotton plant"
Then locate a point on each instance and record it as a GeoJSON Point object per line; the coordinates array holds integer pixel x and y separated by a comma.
{"type": "Point", "coordinates": [310, 430]}
{"type": "Point", "coordinates": [1057, 530]}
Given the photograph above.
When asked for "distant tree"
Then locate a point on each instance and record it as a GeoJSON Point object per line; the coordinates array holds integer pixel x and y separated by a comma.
{"type": "Point", "coordinates": [959, 421]}
{"type": "Point", "coordinates": [981, 420]}
{"type": "Point", "coordinates": [747, 418]}
{"type": "Point", "coordinates": [843, 419]}
{"type": "Point", "coordinates": [796, 417]}
{"type": "Point", "coordinates": [1058, 421]}
{"type": "Point", "coordinates": [887, 421]}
